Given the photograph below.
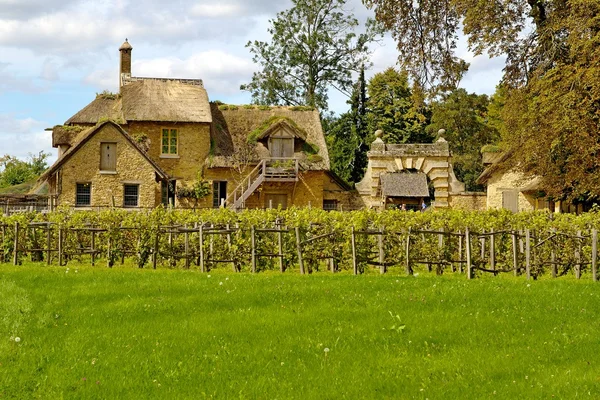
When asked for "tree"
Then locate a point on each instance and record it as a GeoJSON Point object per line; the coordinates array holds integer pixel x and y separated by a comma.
{"type": "Point", "coordinates": [393, 109]}
{"type": "Point", "coordinates": [427, 33]}
{"type": "Point", "coordinates": [347, 135]}
{"type": "Point", "coordinates": [464, 117]}
{"type": "Point", "coordinates": [552, 107]}
{"type": "Point", "coordinates": [313, 47]}
{"type": "Point", "coordinates": [14, 171]}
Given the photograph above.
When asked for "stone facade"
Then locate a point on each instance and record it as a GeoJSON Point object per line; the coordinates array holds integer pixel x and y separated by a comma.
{"type": "Point", "coordinates": [503, 184]}
{"type": "Point", "coordinates": [193, 148]}
{"type": "Point", "coordinates": [470, 201]}
{"type": "Point", "coordinates": [432, 159]}
{"type": "Point", "coordinates": [107, 187]}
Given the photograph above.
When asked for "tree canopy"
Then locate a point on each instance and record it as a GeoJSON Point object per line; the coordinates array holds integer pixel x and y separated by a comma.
{"type": "Point", "coordinates": [464, 117]}
{"type": "Point", "coordinates": [314, 46]}
{"type": "Point", "coordinates": [551, 112]}
{"type": "Point", "coordinates": [396, 109]}
{"type": "Point", "coordinates": [14, 171]}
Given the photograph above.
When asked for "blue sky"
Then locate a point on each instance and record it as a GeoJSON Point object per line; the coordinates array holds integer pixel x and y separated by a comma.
{"type": "Point", "coordinates": [57, 54]}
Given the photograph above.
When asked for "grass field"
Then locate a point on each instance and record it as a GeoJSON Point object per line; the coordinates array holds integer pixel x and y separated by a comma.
{"type": "Point", "coordinates": [128, 333]}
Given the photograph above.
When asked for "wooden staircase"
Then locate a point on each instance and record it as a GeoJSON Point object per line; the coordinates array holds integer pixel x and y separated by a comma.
{"type": "Point", "coordinates": [268, 170]}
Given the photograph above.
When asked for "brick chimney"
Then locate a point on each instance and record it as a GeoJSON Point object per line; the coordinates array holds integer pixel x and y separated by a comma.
{"type": "Point", "coordinates": [125, 67]}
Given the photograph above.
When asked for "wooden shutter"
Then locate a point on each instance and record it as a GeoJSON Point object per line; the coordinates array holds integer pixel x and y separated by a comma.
{"type": "Point", "coordinates": [510, 200]}
{"type": "Point", "coordinates": [108, 157]}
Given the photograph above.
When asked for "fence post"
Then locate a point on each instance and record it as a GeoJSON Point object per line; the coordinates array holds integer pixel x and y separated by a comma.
{"type": "Point", "coordinates": [280, 247]}
{"type": "Point", "coordinates": [201, 247]}
{"type": "Point", "coordinates": [187, 246]}
{"type": "Point", "coordinates": [48, 244]}
{"type": "Point", "coordinates": [93, 247]}
{"type": "Point", "coordinates": [2, 254]}
{"type": "Point", "coordinates": [382, 268]}
{"type": "Point", "coordinates": [468, 252]}
{"type": "Point", "coordinates": [594, 255]}
{"type": "Point", "coordinates": [253, 249]}
{"type": "Point", "coordinates": [354, 260]}
{"type": "Point", "coordinates": [515, 253]}
{"type": "Point", "coordinates": [60, 245]}
{"type": "Point", "coordinates": [409, 270]}
{"type": "Point", "coordinates": [299, 250]}
{"type": "Point", "coordinates": [492, 250]}
{"type": "Point", "coordinates": [528, 253]}
{"type": "Point", "coordinates": [578, 256]}
{"type": "Point", "coordinates": [460, 252]}
{"type": "Point", "coordinates": [155, 252]}
{"type": "Point", "coordinates": [16, 245]}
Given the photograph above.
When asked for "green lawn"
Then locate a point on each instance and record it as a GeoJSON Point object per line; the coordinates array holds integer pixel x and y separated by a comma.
{"type": "Point", "coordinates": [128, 333]}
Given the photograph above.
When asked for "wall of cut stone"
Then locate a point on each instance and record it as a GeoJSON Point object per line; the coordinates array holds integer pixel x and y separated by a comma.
{"type": "Point", "coordinates": [471, 201]}
{"type": "Point", "coordinates": [107, 188]}
{"type": "Point", "coordinates": [193, 149]}
{"type": "Point", "coordinates": [509, 181]}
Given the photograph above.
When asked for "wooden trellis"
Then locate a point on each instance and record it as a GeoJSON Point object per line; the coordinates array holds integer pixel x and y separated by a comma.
{"type": "Point", "coordinates": [206, 245]}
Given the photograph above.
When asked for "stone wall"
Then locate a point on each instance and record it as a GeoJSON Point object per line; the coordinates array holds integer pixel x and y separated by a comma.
{"type": "Point", "coordinates": [193, 149]}
{"type": "Point", "coordinates": [431, 159]}
{"type": "Point", "coordinates": [107, 188]}
{"type": "Point", "coordinates": [501, 182]}
{"type": "Point", "coordinates": [471, 201]}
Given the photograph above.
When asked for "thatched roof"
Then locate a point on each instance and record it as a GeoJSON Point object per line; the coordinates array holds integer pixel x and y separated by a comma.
{"type": "Point", "coordinates": [404, 184]}
{"type": "Point", "coordinates": [149, 99]}
{"type": "Point", "coordinates": [165, 100]}
{"type": "Point", "coordinates": [102, 107]}
{"type": "Point", "coordinates": [85, 136]}
{"type": "Point", "coordinates": [233, 126]}
{"type": "Point", "coordinates": [497, 166]}
{"type": "Point", "coordinates": [66, 134]}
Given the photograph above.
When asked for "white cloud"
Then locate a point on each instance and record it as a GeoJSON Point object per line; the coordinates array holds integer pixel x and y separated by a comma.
{"type": "Point", "coordinates": [21, 136]}
{"type": "Point", "coordinates": [216, 10]}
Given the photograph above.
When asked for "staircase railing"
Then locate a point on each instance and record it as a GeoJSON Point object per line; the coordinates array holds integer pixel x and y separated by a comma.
{"type": "Point", "coordinates": [269, 169]}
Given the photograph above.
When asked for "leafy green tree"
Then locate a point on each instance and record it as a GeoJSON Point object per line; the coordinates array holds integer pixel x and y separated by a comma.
{"type": "Point", "coordinates": [393, 108]}
{"type": "Point", "coordinates": [347, 136]}
{"type": "Point", "coordinates": [14, 171]}
{"type": "Point", "coordinates": [551, 78]}
{"type": "Point", "coordinates": [464, 117]}
{"type": "Point", "coordinates": [314, 46]}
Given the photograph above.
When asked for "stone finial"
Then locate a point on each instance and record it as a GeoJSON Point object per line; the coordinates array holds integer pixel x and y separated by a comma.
{"type": "Point", "coordinates": [441, 135]}
{"type": "Point", "coordinates": [378, 144]}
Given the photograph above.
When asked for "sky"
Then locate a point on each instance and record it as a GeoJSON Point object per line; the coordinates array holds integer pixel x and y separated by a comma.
{"type": "Point", "coordinates": [55, 55]}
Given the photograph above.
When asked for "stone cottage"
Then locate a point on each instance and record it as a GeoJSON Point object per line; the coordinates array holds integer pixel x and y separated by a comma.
{"type": "Point", "coordinates": [158, 138]}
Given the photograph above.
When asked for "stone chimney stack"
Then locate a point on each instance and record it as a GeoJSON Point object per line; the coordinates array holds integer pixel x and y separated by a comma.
{"type": "Point", "coordinates": [125, 67]}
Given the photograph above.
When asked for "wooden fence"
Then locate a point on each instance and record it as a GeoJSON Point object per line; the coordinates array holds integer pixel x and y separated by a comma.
{"type": "Point", "coordinates": [280, 247]}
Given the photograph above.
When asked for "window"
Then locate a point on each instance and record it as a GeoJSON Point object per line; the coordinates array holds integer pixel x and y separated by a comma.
{"type": "Point", "coordinates": [169, 141]}
{"type": "Point", "coordinates": [131, 195]}
{"type": "Point", "coordinates": [108, 156]}
{"type": "Point", "coordinates": [83, 194]}
{"type": "Point", "coordinates": [219, 193]}
{"type": "Point", "coordinates": [329, 205]}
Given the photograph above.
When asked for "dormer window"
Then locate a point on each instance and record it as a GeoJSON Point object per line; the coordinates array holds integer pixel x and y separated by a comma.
{"type": "Point", "coordinates": [169, 142]}
{"type": "Point", "coordinates": [281, 144]}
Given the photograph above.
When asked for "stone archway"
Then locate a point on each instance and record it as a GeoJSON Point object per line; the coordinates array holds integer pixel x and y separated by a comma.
{"type": "Point", "coordinates": [432, 159]}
